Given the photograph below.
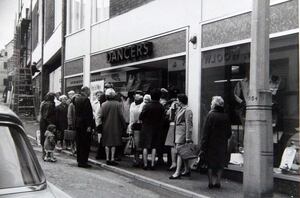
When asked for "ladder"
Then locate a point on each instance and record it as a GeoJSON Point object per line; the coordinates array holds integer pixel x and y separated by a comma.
{"type": "Point", "coordinates": [23, 103]}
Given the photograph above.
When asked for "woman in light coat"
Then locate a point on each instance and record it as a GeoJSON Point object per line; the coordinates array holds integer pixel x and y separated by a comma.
{"type": "Point", "coordinates": [183, 134]}
{"type": "Point", "coordinates": [113, 122]}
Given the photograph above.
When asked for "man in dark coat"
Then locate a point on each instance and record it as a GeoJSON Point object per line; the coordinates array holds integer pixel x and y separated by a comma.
{"type": "Point", "coordinates": [47, 113]}
{"type": "Point", "coordinates": [152, 117]}
{"type": "Point", "coordinates": [217, 131]}
{"type": "Point", "coordinates": [83, 124]}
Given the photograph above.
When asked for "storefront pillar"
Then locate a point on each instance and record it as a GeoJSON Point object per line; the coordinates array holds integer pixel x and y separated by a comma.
{"type": "Point", "coordinates": [87, 53]}
{"type": "Point", "coordinates": [258, 172]}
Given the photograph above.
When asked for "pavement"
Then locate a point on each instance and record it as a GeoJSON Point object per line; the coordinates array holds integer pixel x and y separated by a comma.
{"type": "Point", "coordinates": [194, 186]}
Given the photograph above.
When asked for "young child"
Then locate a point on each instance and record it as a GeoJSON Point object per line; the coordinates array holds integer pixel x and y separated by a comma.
{"type": "Point", "coordinates": [49, 143]}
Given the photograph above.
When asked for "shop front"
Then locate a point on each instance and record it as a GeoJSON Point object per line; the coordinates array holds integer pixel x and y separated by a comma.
{"type": "Point", "coordinates": [155, 63]}
{"type": "Point", "coordinates": [225, 66]}
{"type": "Point", "coordinates": [225, 72]}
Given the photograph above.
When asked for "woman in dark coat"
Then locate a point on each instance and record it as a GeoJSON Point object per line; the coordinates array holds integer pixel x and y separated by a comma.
{"type": "Point", "coordinates": [152, 117]}
{"type": "Point", "coordinates": [47, 112]}
{"type": "Point", "coordinates": [113, 123]}
{"type": "Point", "coordinates": [217, 131]}
{"type": "Point", "coordinates": [61, 120]}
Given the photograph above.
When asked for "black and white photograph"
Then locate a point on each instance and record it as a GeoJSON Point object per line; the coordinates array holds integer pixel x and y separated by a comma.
{"type": "Point", "coordinates": [149, 99]}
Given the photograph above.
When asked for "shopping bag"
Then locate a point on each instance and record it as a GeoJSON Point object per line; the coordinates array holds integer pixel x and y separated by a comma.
{"type": "Point", "coordinates": [129, 148]}
{"type": "Point", "coordinates": [69, 134]}
{"type": "Point", "coordinates": [189, 151]}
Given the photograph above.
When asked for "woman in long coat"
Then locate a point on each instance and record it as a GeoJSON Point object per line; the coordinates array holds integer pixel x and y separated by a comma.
{"type": "Point", "coordinates": [152, 117]}
{"type": "Point", "coordinates": [47, 111]}
{"type": "Point", "coordinates": [217, 131]}
{"type": "Point", "coordinates": [183, 128]}
{"type": "Point", "coordinates": [61, 120]}
{"type": "Point", "coordinates": [113, 125]}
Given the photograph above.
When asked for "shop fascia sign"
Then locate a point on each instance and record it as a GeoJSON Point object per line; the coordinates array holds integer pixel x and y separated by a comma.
{"type": "Point", "coordinates": [130, 53]}
{"type": "Point", "coordinates": [221, 57]}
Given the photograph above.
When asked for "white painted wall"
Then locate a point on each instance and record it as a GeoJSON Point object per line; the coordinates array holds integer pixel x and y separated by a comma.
{"type": "Point", "coordinates": [55, 80]}
{"type": "Point", "coordinates": [37, 53]}
{"type": "Point", "coordinates": [76, 45]}
{"type": "Point", "coordinates": [151, 19]}
{"type": "Point", "coordinates": [53, 44]}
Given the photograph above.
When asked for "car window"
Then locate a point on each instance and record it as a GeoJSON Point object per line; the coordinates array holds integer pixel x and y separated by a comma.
{"type": "Point", "coordinates": [18, 166]}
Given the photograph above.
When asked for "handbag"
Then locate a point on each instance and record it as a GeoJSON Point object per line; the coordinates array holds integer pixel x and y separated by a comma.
{"type": "Point", "coordinates": [189, 151]}
{"type": "Point", "coordinates": [69, 134]}
{"type": "Point", "coordinates": [129, 148]}
{"type": "Point", "coordinates": [136, 126]}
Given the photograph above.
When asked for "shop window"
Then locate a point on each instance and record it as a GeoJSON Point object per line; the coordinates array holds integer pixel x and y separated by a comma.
{"type": "Point", "coordinates": [168, 73]}
{"type": "Point", "coordinates": [100, 10]}
{"type": "Point", "coordinates": [225, 72]}
{"type": "Point", "coordinates": [75, 15]}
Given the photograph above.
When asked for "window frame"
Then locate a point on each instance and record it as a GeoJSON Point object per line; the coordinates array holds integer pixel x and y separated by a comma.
{"type": "Point", "coordinates": [104, 10]}
{"type": "Point", "coordinates": [75, 23]}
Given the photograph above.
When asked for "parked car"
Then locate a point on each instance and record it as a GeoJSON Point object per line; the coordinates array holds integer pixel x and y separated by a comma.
{"type": "Point", "coordinates": [21, 175]}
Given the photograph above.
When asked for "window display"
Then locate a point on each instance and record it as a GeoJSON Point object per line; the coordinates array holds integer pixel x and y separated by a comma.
{"type": "Point", "coordinates": [225, 72]}
{"type": "Point", "coordinates": [168, 73]}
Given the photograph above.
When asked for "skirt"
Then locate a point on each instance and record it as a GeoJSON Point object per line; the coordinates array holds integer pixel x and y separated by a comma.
{"type": "Point", "coordinates": [137, 139]}
{"type": "Point", "coordinates": [171, 135]}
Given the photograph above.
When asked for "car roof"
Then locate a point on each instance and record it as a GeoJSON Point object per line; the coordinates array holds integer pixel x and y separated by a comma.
{"type": "Point", "coordinates": [7, 115]}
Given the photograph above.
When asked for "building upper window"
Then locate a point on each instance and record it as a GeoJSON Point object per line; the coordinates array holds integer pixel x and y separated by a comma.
{"type": "Point", "coordinates": [75, 15]}
{"type": "Point", "coordinates": [100, 10]}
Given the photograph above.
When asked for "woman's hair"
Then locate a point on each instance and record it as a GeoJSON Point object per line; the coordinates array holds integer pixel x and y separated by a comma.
{"type": "Point", "coordinates": [147, 98]}
{"type": "Point", "coordinates": [110, 93]}
{"type": "Point", "coordinates": [155, 94]}
{"type": "Point", "coordinates": [182, 98]}
{"type": "Point", "coordinates": [217, 101]}
{"type": "Point", "coordinates": [50, 96]}
{"type": "Point", "coordinates": [51, 127]}
{"type": "Point", "coordinates": [63, 97]}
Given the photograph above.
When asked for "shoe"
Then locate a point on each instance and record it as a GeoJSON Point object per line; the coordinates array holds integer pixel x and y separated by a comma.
{"type": "Point", "coordinates": [210, 186]}
{"type": "Point", "coordinates": [160, 162]}
{"type": "Point", "coordinates": [152, 167]}
{"type": "Point", "coordinates": [118, 159]}
{"type": "Point", "coordinates": [135, 165]}
{"type": "Point", "coordinates": [46, 159]}
{"type": "Point", "coordinates": [174, 177]}
{"type": "Point", "coordinates": [145, 167]}
{"type": "Point", "coordinates": [108, 162]}
{"type": "Point", "coordinates": [84, 166]}
{"type": "Point", "coordinates": [52, 160]}
{"type": "Point", "coordinates": [97, 157]}
{"type": "Point", "coordinates": [217, 185]}
{"type": "Point", "coordinates": [172, 168]}
{"type": "Point", "coordinates": [114, 163]}
{"type": "Point", "coordinates": [187, 174]}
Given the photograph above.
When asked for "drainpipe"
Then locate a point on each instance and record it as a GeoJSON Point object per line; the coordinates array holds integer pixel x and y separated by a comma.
{"type": "Point", "coordinates": [63, 44]}
{"type": "Point", "coordinates": [43, 72]}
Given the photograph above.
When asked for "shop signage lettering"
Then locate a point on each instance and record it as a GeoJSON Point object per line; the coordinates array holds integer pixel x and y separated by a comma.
{"type": "Point", "coordinates": [221, 57]}
{"type": "Point", "coordinates": [129, 53]}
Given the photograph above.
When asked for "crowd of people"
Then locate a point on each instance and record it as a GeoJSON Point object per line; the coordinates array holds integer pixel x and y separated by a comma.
{"type": "Point", "coordinates": [159, 122]}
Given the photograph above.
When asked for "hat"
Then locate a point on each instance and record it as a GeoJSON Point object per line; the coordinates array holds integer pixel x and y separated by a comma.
{"type": "Point", "coordinates": [110, 92]}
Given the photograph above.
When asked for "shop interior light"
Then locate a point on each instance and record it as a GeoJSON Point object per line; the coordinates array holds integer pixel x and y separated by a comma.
{"type": "Point", "coordinates": [231, 80]}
